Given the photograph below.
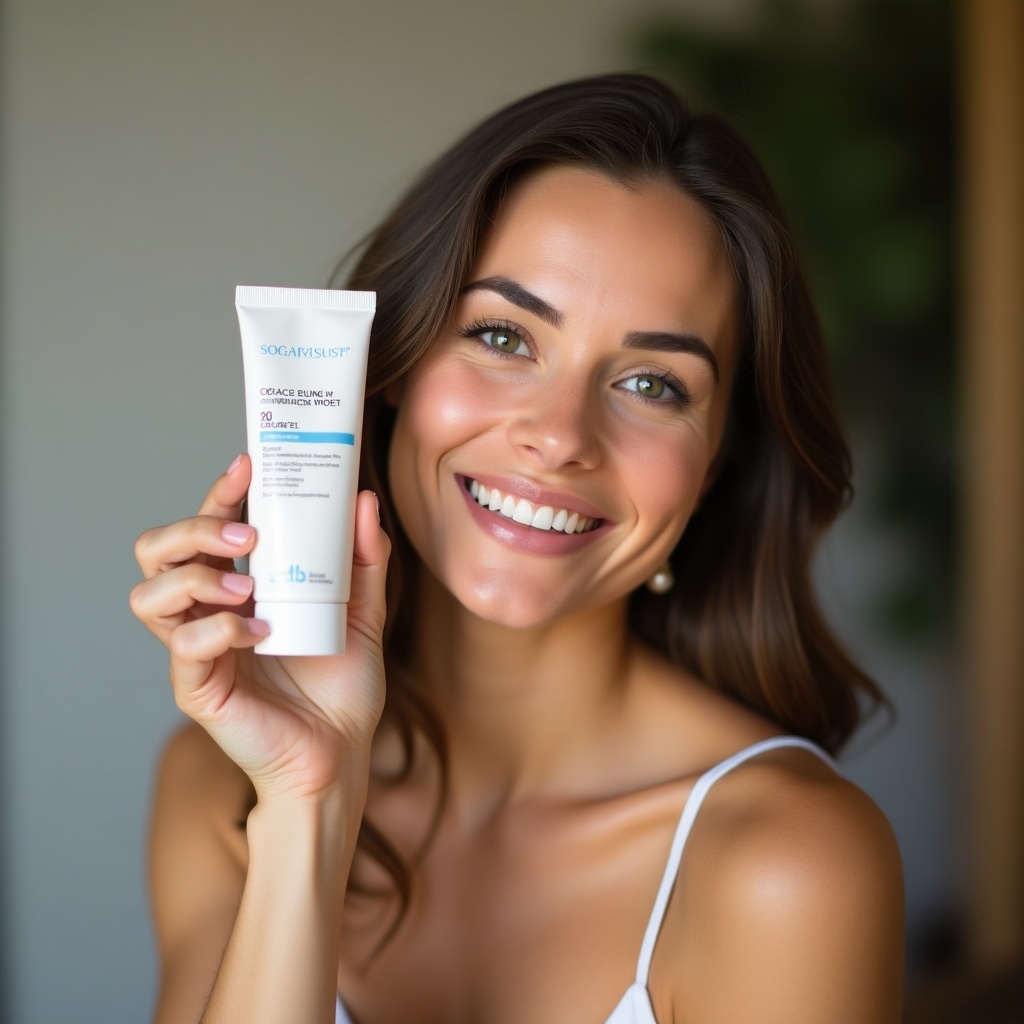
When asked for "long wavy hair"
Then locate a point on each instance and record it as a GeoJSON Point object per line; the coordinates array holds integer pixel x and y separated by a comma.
{"type": "Point", "coordinates": [746, 621]}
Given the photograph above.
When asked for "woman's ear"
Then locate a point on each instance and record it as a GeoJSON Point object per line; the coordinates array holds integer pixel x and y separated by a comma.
{"type": "Point", "coordinates": [393, 393]}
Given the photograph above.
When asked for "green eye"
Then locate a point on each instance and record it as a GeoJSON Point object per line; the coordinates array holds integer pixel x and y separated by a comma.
{"type": "Point", "coordinates": [651, 387]}
{"type": "Point", "coordinates": [503, 340]}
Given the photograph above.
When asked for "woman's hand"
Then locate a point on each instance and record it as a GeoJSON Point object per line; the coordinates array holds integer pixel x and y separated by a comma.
{"type": "Point", "coordinates": [289, 723]}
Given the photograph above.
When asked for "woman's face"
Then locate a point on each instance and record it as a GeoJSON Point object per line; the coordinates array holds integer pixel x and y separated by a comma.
{"type": "Point", "coordinates": [583, 385]}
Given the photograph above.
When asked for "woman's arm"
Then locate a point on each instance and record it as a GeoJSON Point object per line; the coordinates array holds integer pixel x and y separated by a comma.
{"type": "Point", "coordinates": [281, 962]}
{"type": "Point", "coordinates": [252, 933]}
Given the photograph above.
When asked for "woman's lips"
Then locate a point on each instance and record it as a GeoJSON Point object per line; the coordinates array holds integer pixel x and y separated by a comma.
{"type": "Point", "coordinates": [529, 513]}
{"type": "Point", "coordinates": [533, 539]}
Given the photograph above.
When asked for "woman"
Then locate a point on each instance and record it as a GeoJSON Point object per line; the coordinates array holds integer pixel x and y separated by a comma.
{"type": "Point", "coordinates": [601, 435]}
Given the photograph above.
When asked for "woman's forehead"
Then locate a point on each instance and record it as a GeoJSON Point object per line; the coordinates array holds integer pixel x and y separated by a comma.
{"type": "Point", "coordinates": [579, 238]}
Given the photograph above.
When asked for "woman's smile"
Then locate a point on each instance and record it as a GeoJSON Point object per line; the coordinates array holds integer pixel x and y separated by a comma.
{"type": "Point", "coordinates": [527, 526]}
{"type": "Point", "coordinates": [540, 511]}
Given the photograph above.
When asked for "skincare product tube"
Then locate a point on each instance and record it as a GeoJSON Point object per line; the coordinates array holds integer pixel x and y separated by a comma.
{"type": "Point", "coordinates": [304, 354]}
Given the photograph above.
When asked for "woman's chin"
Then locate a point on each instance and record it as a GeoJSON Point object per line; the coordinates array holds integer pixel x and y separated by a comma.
{"type": "Point", "coordinates": [524, 606]}
{"type": "Point", "coordinates": [512, 614]}
{"type": "Point", "coordinates": [522, 597]}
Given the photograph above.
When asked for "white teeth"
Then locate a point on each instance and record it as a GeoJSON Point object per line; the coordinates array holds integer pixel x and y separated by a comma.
{"type": "Point", "coordinates": [544, 517]}
{"type": "Point", "coordinates": [522, 511]}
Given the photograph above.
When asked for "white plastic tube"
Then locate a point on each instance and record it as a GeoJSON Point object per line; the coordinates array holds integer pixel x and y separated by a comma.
{"type": "Point", "coordinates": [304, 354]}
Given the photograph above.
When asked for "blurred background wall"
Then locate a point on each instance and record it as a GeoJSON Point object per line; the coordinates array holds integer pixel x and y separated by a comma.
{"type": "Point", "coordinates": [156, 154]}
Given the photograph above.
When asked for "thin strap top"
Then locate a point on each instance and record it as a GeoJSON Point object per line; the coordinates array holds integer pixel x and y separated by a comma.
{"type": "Point", "coordinates": [635, 1006]}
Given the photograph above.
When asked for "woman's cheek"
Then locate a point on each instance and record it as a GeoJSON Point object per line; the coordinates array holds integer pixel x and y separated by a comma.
{"type": "Point", "coordinates": [666, 474]}
{"type": "Point", "coordinates": [442, 406]}
{"type": "Point", "coordinates": [447, 400]}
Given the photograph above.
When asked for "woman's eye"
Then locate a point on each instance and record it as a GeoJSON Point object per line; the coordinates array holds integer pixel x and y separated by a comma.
{"type": "Point", "coordinates": [653, 388]}
{"type": "Point", "coordinates": [505, 341]}
{"type": "Point", "coordinates": [502, 337]}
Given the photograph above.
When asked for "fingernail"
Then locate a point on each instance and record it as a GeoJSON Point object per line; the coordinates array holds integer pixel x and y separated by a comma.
{"type": "Point", "coordinates": [235, 583]}
{"type": "Point", "coordinates": [257, 627]}
{"type": "Point", "coordinates": [236, 533]}
{"type": "Point", "coordinates": [234, 465]}
{"type": "Point", "coordinates": [376, 499]}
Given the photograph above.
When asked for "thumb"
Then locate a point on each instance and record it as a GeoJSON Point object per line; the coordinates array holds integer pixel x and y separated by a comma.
{"type": "Point", "coordinates": [371, 551]}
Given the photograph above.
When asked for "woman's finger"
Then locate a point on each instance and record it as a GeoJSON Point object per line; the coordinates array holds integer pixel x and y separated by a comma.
{"type": "Point", "coordinates": [163, 601]}
{"type": "Point", "coordinates": [206, 534]}
{"type": "Point", "coordinates": [201, 675]}
{"type": "Point", "coordinates": [165, 547]}
{"type": "Point", "coordinates": [225, 497]}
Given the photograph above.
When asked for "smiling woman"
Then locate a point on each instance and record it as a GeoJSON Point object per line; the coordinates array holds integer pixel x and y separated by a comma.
{"type": "Point", "coordinates": [600, 431]}
{"type": "Point", "coordinates": [574, 379]}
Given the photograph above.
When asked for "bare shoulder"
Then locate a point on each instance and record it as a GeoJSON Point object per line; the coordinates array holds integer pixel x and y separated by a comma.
{"type": "Point", "coordinates": [789, 813]}
{"type": "Point", "coordinates": [197, 862]}
{"type": "Point", "coordinates": [790, 898]}
{"type": "Point", "coordinates": [200, 794]}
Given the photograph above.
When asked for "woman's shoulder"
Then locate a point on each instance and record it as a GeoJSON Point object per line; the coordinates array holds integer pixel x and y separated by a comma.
{"type": "Point", "coordinates": [197, 863]}
{"type": "Point", "coordinates": [787, 814]}
{"type": "Point", "coordinates": [191, 757]}
{"type": "Point", "coordinates": [200, 792]}
{"type": "Point", "coordinates": [788, 902]}
{"type": "Point", "coordinates": [792, 878]}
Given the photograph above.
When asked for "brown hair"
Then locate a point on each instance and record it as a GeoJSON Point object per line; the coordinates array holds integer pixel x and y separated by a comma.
{"type": "Point", "coordinates": [746, 621]}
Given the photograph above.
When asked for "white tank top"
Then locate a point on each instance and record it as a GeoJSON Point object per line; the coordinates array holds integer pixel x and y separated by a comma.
{"type": "Point", "coordinates": [635, 1005]}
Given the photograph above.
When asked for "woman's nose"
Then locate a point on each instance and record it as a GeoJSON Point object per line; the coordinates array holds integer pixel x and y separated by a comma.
{"type": "Point", "coordinates": [557, 425]}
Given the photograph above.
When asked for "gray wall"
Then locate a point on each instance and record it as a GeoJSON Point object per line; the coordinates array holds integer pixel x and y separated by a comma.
{"type": "Point", "coordinates": [155, 154]}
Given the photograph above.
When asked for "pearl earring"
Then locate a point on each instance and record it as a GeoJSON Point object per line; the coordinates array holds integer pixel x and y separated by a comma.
{"type": "Point", "coordinates": [662, 581]}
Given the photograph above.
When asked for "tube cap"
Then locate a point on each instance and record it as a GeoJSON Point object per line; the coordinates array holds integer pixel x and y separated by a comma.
{"type": "Point", "coordinates": [302, 629]}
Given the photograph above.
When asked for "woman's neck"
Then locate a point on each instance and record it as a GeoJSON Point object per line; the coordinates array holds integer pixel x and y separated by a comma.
{"type": "Point", "coordinates": [523, 710]}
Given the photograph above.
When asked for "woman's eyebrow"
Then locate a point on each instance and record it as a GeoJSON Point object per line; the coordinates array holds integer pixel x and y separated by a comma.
{"type": "Point", "coordinates": [653, 341]}
{"type": "Point", "coordinates": [518, 296]}
{"type": "Point", "coordinates": [664, 341]}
